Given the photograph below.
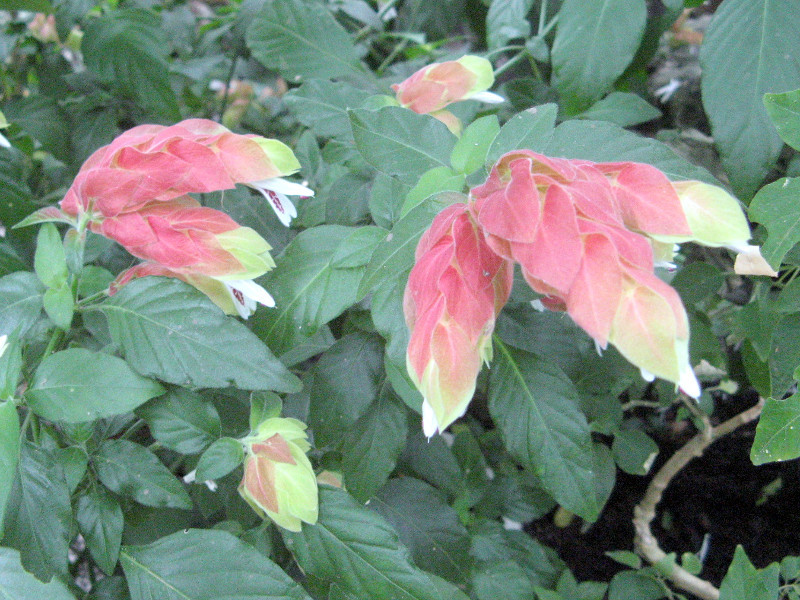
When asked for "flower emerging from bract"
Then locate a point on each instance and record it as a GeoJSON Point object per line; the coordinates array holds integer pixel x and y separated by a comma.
{"type": "Point", "coordinates": [454, 293]}
{"type": "Point", "coordinates": [279, 481]}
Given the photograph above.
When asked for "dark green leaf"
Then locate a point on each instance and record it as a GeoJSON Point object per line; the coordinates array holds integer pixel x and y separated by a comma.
{"type": "Point", "coordinates": [778, 431]}
{"type": "Point", "coordinates": [601, 141]}
{"type": "Point", "coordinates": [743, 580]}
{"type": "Point", "coordinates": [127, 48]}
{"type": "Point", "coordinates": [359, 550]}
{"type": "Point", "coordinates": [100, 519]}
{"type": "Point", "coordinates": [634, 451]}
{"type": "Point", "coordinates": [775, 206]}
{"type": "Point", "coordinates": [630, 585]}
{"type": "Point", "coordinates": [373, 444]}
{"type": "Point", "coordinates": [395, 254]}
{"type": "Point", "coordinates": [322, 106]}
{"type": "Point", "coordinates": [503, 579]}
{"type": "Point", "coordinates": [302, 40]}
{"type": "Point", "coordinates": [315, 279]}
{"type": "Point", "coordinates": [744, 55]}
{"type": "Point", "coordinates": [594, 44]}
{"type": "Point", "coordinates": [31, 5]}
{"type": "Point", "coordinates": [221, 457]}
{"type": "Point", "coordinates": [17, 584]}
{"type": "Point", "coordinates": [784, 110]}
{"type": "Point", "coordinates": [169, 330]}
{"type": "Point", "coordinates": [507, 20]}
{"type": "Point", "coordinates": [427, 525]}
{"type": "Point", "coordinates": [535, 406]}
{"type": "Point", "coordinates": [622, 108]}
{"type": "Point", "coordinates": [44, 120]}
{"type": "Point", "coordinates": [530, 130]}
{"type": "Point", "coordinates": [400, 142]}
{"type": "Point", "coordinates": [20, 302]}
{"type": "Point", "coordinates": [182, 421]}
{"type": "Point", "coordinates": [9, 453]}
{"type": "Point", "coordinates": [73, 386]}
{"type": "Point", "coordinates": [131, 470]}
{"type": "Point", "coordinates": [345, 384]}
{"type": "Point", "coordinates": [38, 515]}
{"type": "Point", "coordinates": [784, 355]}
{"type": "Point", "coordinates": [205, 565]}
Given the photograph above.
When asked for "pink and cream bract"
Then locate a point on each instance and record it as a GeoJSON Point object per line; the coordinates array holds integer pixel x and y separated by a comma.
{"type": "Point", "coordinates": [584, 235]}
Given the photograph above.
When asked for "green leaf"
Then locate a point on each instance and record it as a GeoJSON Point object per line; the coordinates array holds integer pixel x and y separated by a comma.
{"type": "Point", "coordinates": [469, 153]}
{"type": "Point", "coordinates": [339, 396]}
{"type": "Point", "coordinates": [625, 557]}
{"type": "Point", "coordinates": [9, 453]}
{"type": "Point", "coordinates": [73, 386]}
{"type": "Point", "coordinates": [778, 431]}
{"type": "Point", "coordinates": [784, 110]}
{"type": "Point", "coordinates": [743, 580]}
{"type": "Point", "coordinates": [743, 56]}
{"type": "Point", "coordinates": [373, 444]}
{"type": "Point", "coordinates": [43, 119]}
{"type": "Point", "coordinates": [38, 514]}
{"type": "Point", "coordinates": [302, 40]}
{"type": "Point", "coordinates": [395, 254]}
{"type": "Point", "coordinates": [127, 48]}
{"type": "Point", "coordinates": [359, 550]}
{"type": "Point", "coordinates": [784, 354]}
{"type": "Point", "coordinates": [601, 141]}
{"type": "Point", "coordinates": [316, 278]}
{"type": "Point", "coordinates": [205, 565]}
{"type": "Point", "coordinates": [775, 206]}
{"type": "Point", "coordinates": [31, 5]}
{"type": "Point", "coordinates": [530, 130]}
{"type": "Point", "coordinates": [594, 44]}
{"type": "Point", "coordinates": [502, 579]}
{"type": "Point", "coordinates": [182, 421]}
{"type": "Point", "coordinates": [427, 525]}
{"type": "Point", "coordinates": [507, 20]}
{"type": "Point", "coordinates": [219, 459]}
{"type": "Point", "coordinates": [322, 106]}
{"type": "Point", "coordinates": [17, 584]}
{"type": "Point", "coordinates": [131, 470]}
{"type": "Point", "coordinates": [100, 519]}
{"type": "Point", "coordinates": [634, 451]}
{"type": "Point", "coordinates": [169, 330]}
{"type": "Point", "coordinates": [438, 179]}
{"type": "Point", "coordinates": [622, 108]}
{"type": "Point", "coordinates": [535, 407]}
{"type": "Point", "coordinates": [632, 585]}
{"type": "Point", "coordinates": [400, 142]}
{"type": "Point", "coordinates": [20, 302]}
{"type": "Point", "coordinates": [59, 305]}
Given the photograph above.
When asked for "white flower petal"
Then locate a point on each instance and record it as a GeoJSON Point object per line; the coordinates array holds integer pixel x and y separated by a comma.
{"type": "Point", "coordinates": [488, 97]}
{"type": "Point", "coordinates": [750, 261]}
{"type": "Point", "coordinates": [282, 206]}
{"type": "Point", "coordinates": [689, 384]}
{"type": "Point", "coordinates": [245, 294]}
{"type": "Point", "coordinates": [3, 344]}
{"type": "Point", "coordinates": [537, 305]}
{"type": "Point", "coordinates": [283, 186]}
{"type": "Point", "coordinates": [4, 142]}
{"type": "Point", "coordinates": [430, 425]}
{"type": "Point", "coordinates": [647, 375]}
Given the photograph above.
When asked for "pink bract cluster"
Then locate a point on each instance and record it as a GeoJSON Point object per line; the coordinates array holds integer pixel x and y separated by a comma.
{"type": "Point", "coordinates": [583, 234]}
{"type": "Point", "coordinates": [135, 192]}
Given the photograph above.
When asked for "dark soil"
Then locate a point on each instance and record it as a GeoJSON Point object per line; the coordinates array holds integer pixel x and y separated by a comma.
{"type": "Point", "coordinates": [720, 494]}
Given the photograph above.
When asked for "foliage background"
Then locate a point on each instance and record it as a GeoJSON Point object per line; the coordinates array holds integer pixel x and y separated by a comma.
{"type": "Point", "coordinates": [553, 423]}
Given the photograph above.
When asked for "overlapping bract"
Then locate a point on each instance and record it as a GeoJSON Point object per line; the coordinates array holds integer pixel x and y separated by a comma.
{"type": "Point", "coordinates": [279, 481]}
{"type": "Point", "coordinates": [584, 235]}
{"type": "Point", "coordinates": [454, 293]}
{"type": "Point", "coordinates": [135, 191]}
{"type": "Point", "coordinates": [432, 88]}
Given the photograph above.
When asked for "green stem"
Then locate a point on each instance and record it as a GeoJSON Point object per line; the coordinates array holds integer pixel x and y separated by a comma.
{"type": "Point", "coordinates": [89, 299]}
{"type": "Point", "coordinates": [389, 59]}
{"type": "Point", "coordinates": [542, 17]}
{"type": "Point", "coordinates": [23, 429]}
{"type": "Point", "coordinates": [55, 339]}
{"type": "Point", "coordinates": [133, 429]}
{"type": "Point", "coordinates": [512, 47]}
{"type": "Point", "coordinates": [513, 61]}
{"type": "Point", "coordinates": [227, 89]}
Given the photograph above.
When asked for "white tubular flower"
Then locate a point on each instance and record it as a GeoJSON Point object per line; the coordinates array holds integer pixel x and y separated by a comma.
{"type": "Point", "coordinates": [4, 142]}
{"type": "Point", "coordinates": [246, 294]}
{"type": "Point", "coordinates": [487, 97]}
{"type": "Point", "coordinates": [276, 190]}
{"type": "Point", "coordinates": [3, 344]}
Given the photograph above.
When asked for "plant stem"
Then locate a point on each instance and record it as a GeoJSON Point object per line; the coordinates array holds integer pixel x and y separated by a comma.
{"type": "Point", "coordinates": [226, 92]}
{"type": "Point", "coordinates": [645, 543]}
{"type": "Point", "coordinates": [511, 62]}
{"type": "Point", "coordinates": [542, 17]}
